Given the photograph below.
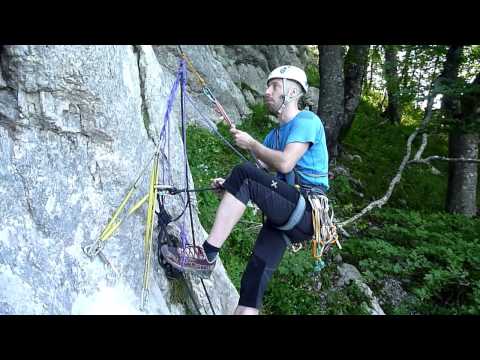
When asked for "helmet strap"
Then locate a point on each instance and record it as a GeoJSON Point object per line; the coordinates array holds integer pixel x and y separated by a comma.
{"type": "Point", "coordinates": [286, 98]}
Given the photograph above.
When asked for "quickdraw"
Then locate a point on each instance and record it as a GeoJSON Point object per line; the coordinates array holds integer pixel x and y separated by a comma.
{"type": "Point", "coordinates": [113, 224]}
{"type": "Point", "coordinates": [208, 93]}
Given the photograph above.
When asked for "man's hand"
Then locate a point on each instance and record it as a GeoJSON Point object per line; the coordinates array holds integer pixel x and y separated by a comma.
{"type": "Point", "coordinates": [242, 139]}
{"type": "Point", "coordinates": [218, 184]}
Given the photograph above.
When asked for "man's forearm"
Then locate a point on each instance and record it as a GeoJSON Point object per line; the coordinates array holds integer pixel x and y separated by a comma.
{"type": "Point", "coordinates": [274, 159]}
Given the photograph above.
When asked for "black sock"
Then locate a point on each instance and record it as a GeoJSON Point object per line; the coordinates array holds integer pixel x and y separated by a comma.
{"type": "Point", "coordinates": [211, 251]}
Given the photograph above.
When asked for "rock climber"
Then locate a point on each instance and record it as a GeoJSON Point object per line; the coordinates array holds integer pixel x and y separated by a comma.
{"type": "Point", "coordinates": [295, 154]}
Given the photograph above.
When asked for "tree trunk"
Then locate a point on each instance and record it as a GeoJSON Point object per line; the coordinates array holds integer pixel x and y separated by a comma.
{"type": "Point", "coordinates": [331, 95]}
{"type": "Point", "coordinates": [393, 111]}
{"type": "Point", "coordinates": [462, 177]}
{"type": "Point", "coordinates": [368, 72]}
{"type": "Point", "coordinates": [355, 69]}
{"type": "Point", "coordinates": [464, 110]}
{"type": "Point", "coordinates": [406, 68]}
{"type": "Point", "coordinates": [370, 80]}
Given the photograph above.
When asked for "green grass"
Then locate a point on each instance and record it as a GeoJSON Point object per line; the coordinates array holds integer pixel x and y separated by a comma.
{"type": "Point", "coordinates": [434, 255]}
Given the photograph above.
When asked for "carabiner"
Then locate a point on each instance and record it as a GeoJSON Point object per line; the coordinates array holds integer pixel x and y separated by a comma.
{"type": "Point", "coordinates": [165, 189]}
{"type": "Point", "coordinates": [208, 93]}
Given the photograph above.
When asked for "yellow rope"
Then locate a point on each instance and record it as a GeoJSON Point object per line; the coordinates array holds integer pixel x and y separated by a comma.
{"type": "Point", "coordinates": [152, 196]}
{"type": "Point", "coordinates": [193, 70]}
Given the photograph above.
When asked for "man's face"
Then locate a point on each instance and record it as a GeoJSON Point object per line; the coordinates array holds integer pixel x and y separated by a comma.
{"type": "Point", "coordinates": [273, 97]}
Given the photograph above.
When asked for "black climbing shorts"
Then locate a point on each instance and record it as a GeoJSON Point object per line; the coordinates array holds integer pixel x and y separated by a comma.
{"type": "Point", "coordinates": [277, 200]}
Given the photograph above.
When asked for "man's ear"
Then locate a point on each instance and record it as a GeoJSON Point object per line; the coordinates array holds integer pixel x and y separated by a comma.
{"type": "Point", "coordinates": [293, 91]}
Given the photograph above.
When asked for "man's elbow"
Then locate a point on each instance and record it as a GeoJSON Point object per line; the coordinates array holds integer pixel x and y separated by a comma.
{"type": "Point", "coordinates": [286, 166]}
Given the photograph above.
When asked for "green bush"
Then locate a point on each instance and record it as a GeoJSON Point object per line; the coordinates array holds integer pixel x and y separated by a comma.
{"type": "Point", "coordinates": [313, 76]}
{"type": "Point", "coordinates": [435, 256]}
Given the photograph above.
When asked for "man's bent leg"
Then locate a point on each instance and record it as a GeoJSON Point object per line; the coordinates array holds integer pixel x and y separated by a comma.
{"type": "Point", "coordinates": [249, 183]}
{"type": "Point", "coordinates": [276, 199]}
{"type": "Point", "coordinates": [228, 214]}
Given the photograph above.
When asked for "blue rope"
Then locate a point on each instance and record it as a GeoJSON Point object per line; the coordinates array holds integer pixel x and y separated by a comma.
{"type": "Point", "coordinates": [183, 233]}
{"type": "Point", "coordinates": [166, 123]}
{"type": "Point", "coordinates": [189, 203]}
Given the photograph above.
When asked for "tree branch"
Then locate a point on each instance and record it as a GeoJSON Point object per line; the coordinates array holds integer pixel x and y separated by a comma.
{"type": "Point", "coordinates": [442, 158]}
{"type": "Point", "coordinates": [382, 201]}
{"type": "Point", "coordinates": [420, 151]}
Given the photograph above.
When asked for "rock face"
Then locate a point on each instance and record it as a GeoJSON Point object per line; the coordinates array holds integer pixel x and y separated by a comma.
{"type": "Point", "coordinates": [205, 61]}
{"type": "Point", "coordinates": [249, 65]}
{"type": "Point", "coordinates": [236, 74]}
{"type": "Point", "coordinates": [350, 273]}
{"type": "Point", "coordinates": [77, 124]}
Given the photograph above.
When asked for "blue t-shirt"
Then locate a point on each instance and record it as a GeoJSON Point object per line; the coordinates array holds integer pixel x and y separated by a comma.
{"type": "Point", "coordinates": [306, 127]}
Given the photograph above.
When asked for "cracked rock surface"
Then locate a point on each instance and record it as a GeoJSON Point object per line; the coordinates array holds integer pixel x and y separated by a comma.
{"type": "Point", "coordinates": [77, 123]}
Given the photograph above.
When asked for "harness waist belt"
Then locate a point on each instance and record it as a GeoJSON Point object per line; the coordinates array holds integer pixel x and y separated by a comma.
{"type": "Point", "coordinates": [317, 189]}
{"type": "Point", "coordinates": [296, 215]}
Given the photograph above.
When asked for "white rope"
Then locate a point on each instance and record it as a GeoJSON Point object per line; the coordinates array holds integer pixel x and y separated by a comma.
{"type": "Point", "coordinates": [325, 231]}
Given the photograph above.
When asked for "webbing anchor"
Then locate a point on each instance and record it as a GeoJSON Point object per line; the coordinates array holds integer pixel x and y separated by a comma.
{"type": "Point", "coordinates": [95, 249]}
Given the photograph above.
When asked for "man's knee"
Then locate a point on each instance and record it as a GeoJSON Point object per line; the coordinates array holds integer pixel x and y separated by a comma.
{"type": "Point", "coordinates": [237, 183]}
{"type": "Point", "coordinates": [243, 170]}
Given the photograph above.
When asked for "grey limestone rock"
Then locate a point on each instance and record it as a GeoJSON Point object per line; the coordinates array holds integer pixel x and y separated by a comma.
{"type": "Point", "coordinates": [76, 125]}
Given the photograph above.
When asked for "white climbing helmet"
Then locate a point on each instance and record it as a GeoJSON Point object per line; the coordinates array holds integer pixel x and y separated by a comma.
{"type": "Point", "coordinates": [291, 73]}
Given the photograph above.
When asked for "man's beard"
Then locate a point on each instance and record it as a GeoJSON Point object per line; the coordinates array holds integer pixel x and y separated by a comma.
{"type": "Point", "coordinates": [273, 106]}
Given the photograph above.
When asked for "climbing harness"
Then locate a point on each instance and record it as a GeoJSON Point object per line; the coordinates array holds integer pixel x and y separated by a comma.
{"type": "Point", "coordinates": [296, 215]}
{"type": "Point", "coordinates": [324, 230]}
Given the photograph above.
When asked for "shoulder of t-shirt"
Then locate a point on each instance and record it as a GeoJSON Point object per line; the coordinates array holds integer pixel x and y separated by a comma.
{"type": "Point", "coordinates": [307, 115]}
